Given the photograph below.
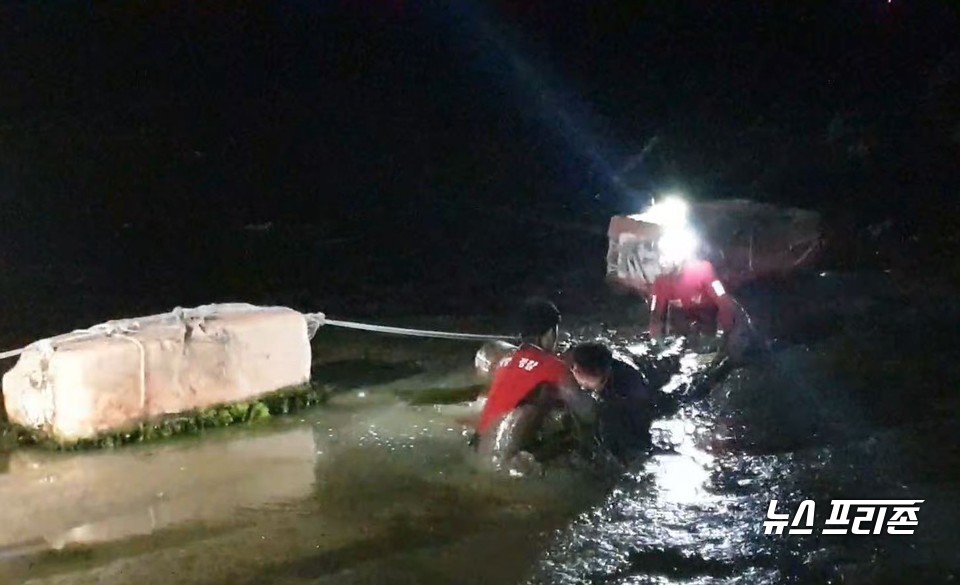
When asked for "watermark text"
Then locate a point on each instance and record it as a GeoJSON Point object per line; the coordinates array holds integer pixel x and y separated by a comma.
{"type": "Point", "coordinates": [862, 517]}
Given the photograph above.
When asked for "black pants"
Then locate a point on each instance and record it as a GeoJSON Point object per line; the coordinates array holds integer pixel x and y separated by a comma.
{"type": "Point", "coordinates": [694, 321]}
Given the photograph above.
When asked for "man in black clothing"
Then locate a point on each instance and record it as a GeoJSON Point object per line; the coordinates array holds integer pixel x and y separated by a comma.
{"type": "Point", "coordinates": [626, 406]}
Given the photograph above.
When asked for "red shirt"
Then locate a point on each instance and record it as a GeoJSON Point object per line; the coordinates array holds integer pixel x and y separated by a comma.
{"type": "Point", "coordinates": [695, 285]}
{"type": "Point", "coordinates": [519, 375]}
{"type": "Point", "coordinates": [691, 287]}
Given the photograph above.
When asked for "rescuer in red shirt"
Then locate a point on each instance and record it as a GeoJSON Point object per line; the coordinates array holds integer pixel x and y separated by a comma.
{"type": "Point", "coordinates": [533, 374]}
{"type": "Point", "coordinates": [692, 291]}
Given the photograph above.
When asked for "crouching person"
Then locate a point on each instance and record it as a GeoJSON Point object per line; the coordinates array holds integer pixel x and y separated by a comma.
{"type": "Point", "coordinates": [626, 405]}
{"type": "Point", "coordinates": [531, 385]}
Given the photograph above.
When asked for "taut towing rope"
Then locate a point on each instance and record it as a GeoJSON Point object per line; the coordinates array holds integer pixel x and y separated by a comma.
{"type": "Point", "coordinates": [420, 332]}
{"type": "Point", "coordinates": [317, 320]}
{"type": "Point", "coordinates": [11, 353]}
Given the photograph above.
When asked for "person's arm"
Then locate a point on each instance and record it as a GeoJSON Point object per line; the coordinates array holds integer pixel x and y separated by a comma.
{"type": "Point", "coordinates": [658, 312]}
{"type": "Point", "coordinates": [721, 298]}
{"type": "Point", "coordinates": [579, 403]}
{"type": "Point", "coordinates": [509, 435]}
{"type": "Point", "coordinates": [725, 315]}
{"type": "Point", "coordinates": [725, 310]}
{"type": "Point", "coordinates": [566, 389]}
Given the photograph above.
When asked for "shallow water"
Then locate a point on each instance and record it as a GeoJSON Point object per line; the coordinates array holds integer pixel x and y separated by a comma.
{"type": "Point", "coordinates": [866, 410]}
{"type": "Point", "coordinates": [365, 478]}
{"type": "Point", "coordinates": [855, 401]}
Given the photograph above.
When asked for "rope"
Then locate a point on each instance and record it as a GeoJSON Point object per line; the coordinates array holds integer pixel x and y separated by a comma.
{"type": "Point", "coordinates": [315, 320]}
{"type": "Point", "coordinates": [418, 332]}
{"type": "Point", "coordinates": [11, 353]}
{"type": "Point", "coordinates": [81, 335]}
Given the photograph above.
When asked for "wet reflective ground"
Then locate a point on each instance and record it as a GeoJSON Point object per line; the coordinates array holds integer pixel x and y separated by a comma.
{"type": "Point", "coordinates": [865, 408]}
{"type": "Point", "coordinates": [856, 400]}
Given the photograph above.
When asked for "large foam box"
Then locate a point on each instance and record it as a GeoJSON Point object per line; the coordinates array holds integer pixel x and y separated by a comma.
{"type": "Point", "coordinates": [119, 374]}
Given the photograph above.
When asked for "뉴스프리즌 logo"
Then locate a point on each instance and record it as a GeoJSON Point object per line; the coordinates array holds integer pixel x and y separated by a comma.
{"type": "Point", "coordinates": [897, 517]}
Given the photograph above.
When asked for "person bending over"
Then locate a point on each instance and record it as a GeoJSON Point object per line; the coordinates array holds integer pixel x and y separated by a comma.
{"type": "Point", "coordinates": [626, 405]}
{"type": "Point", "coordinates": [527, 385]}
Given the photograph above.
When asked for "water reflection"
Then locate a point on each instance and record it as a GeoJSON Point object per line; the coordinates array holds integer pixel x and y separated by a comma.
{"type": "Point", "coordinates": [372, 490]}
{"type": "Point", "coordinates": [679, 479]}
{"type": "Point", "coordinates": [675, 518]}
{"type": "Point", "coordinates": [64, 499]}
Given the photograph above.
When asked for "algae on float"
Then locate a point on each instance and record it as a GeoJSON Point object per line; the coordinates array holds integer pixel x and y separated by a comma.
{"type": "Point", "coordinates": [281, 402]}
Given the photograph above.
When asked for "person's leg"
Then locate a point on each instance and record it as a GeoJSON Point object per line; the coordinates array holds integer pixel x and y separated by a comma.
{"type": "Point", "coordinates": [557, 430]}
{"type": "Point", "coordinates": [743, 342]}
{"type": "Point", "coordinates": [708, 320]}
{"type": "Point", "coordinates": [510, 437]}
{"type": "Point", "coordinates": [678, 322]}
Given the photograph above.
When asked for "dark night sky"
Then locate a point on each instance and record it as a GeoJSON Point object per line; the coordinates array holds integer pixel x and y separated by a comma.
{"type": "Point", "coordinates": [424, 119]}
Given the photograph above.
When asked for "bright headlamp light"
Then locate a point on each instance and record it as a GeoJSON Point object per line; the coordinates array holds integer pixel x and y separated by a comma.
{"type": "Point", "coordinates": [677, 245]}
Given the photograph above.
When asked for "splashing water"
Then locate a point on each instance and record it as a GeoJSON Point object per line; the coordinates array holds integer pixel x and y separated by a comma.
{"type": "Point", "coordinates": [372, 488]}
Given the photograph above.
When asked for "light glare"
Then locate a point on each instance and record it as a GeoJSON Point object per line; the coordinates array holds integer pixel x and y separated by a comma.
{"type": "Point", "coordinates": [677, 245]}
{"type": "Point", "coordinates": [671, 211]}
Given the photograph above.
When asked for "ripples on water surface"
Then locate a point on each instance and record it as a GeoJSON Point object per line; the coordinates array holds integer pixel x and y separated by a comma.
{"type": "Point", "coordinates": [865, 412]}
{"type": "Point", "coordinates": [855, 403]}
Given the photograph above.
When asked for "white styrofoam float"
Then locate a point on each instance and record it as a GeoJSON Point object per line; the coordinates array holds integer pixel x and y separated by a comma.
{"type": "Point", "coordinates": [114, 376]}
